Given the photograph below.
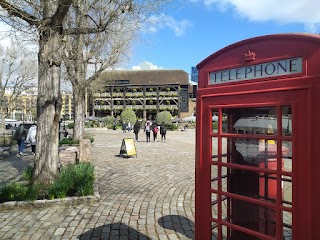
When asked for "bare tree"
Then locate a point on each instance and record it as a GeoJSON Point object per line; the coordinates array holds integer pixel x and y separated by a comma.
{"type": "Point", "coordinates": [87, 56]}
{"type": "Point", "coordinates": [47, 20]}
{"type": "Point", "coordinates": [16, 74]}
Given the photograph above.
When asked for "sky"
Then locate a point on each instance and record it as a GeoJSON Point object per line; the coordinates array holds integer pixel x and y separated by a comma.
{"type": "Point", "coordinates": [188, 33]}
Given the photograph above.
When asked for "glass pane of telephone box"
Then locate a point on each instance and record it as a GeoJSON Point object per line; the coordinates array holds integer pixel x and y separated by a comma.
{"type": "Point", "coordinates": [287, 156]}
{"type": "Point", "coordinates": [214, 148]}
{"type": "Point", "coordinates": [287, 191]}
{"type": "Point", "coordinates": [214, 176]}
{"type": "Point", "coordinates": [214, 206]}
{"type": "Point", "coordinates": [223, 235]}
{"type": "Point", "coordinates": [287, 225]}
{"type": "Point", "coordinates": [214, 120]}
{"type": "Point", "coordinates": [286, 121]}
{"type": "Point", "coordinates": [254, 120]}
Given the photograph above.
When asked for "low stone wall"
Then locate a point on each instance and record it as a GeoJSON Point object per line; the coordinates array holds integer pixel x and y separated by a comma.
{"type": "Point", "coordinates": [75, 154]}
{"type": "Point", "coordinates": [68, 155]}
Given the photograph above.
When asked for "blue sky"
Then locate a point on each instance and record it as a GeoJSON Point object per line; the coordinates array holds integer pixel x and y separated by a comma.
{"type": "Point", "coordinates": [183, 36]}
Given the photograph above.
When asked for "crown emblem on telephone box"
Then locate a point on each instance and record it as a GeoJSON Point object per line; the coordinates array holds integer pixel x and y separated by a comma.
{"type": "Point", "coordinates": [249, 56]}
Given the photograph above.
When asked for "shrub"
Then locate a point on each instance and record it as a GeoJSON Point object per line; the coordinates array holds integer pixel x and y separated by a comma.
{"type": "Point", "coordinates": [128, 115]}
{"type": "Point", "coordinates": [6, 140]}
{"type": "Point", "coordinates": [88, 124]}
{"type": "Point", "coordinates": [28, 174]}
{"type": "Point", "coordinates": [164, 118]}
{"type": "Point", "coordinates": [73, 180]}
{"type": "Point", "coordinates": [109, 120]}
{"type": "Point", "coordinates": [70, 125]}
{"type": "Point", "coordinates": [68, 141]}
{"type": "Point", "coordinates": [18, 192]}
{"type": "Point", "coordinates": [90, 137]}
{"type": "Point", "coordinates": [172, 127]}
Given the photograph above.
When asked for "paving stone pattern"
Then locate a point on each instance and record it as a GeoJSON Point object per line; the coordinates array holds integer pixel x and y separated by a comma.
{"type": "Point", "coordinates": [150, 196]}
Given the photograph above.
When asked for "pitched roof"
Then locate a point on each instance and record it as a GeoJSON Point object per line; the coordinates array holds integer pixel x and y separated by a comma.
{"type": "Point", "coordinates": [147, 77]}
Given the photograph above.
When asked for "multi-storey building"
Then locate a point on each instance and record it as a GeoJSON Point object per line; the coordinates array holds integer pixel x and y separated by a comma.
{"type": "Point", "coordinates": [24, 106]}
{"type": "Point", "coordinates": [147, 92]}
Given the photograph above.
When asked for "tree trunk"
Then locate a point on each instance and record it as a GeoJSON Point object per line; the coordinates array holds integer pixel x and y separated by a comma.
{"type": "Point", "coordinates": [48, 108]}
{"type": "Point", "coordinates": [79, 111]}
{"type": "Point", "coordinates": [3, 118]}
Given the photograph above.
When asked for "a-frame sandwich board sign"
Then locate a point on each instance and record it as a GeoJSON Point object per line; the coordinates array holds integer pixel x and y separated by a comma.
{"type": "Point", "coordinates": [128, 148]}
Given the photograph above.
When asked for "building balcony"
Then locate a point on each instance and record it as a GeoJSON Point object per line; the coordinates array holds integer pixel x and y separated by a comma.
{"type": "Point", "coordinates": [102, 107]}
{"type": "Point", "coordinates": [151, 94]}
{"type": "Point", "coordinates": [136, 107]}
{"type": "Point", "coordinates": [117, 94]}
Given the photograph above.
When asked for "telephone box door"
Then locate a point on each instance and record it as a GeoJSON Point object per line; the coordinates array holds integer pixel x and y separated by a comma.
{"type": "Point", "coordinates": [251, 147]}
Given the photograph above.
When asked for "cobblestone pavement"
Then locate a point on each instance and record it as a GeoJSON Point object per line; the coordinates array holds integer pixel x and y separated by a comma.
{"type": "Point", "coordinates": [148, 197]}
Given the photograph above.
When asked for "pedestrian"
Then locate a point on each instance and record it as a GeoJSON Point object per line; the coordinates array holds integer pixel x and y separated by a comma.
{"type": "Point", "coordinates": [65, 133]}
{"type": "Point", "coordinates": [129, 126]}
{"type": "Point", "coordinates": [163, 132]}
{"type": "Point", "coordinates": [136, 130]}
{"type": "Point", "coordinates": [155, 130]}
{"type": "Point", "coordinates": [147, 129]}
{"type": "Point", "coordinates": [124, 127]}
{"type": "Point", "coordinates": [31, 137]}
{"type": "Point", "coordinates": [20, 136]}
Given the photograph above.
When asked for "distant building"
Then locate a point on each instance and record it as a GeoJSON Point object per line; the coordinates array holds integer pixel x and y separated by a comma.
{"type": "Point", "coordinates": [192, 92]}
{"type": "Point", "coordinates": [194, 74]}
{"type": "Point", "coordinates": [147, 92]}
{"type": "Point", "coordinates": [24, 107]}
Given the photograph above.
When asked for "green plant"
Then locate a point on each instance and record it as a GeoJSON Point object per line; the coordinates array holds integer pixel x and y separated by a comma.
{"type": "Point", "coordinates": [128, 115]}
{"type": "Point", "coordinates": [109, 120]}
{"type": "Point", "coordinates": [90, 137]}
{"type": "Point", "coordinates": [18, 192]}
{"type": "Point", "coordinates": [6, 140]}
{"type": "Point", "coordinates": [68, 141]}
{"type": "Point", "coordinates": [171, 127]}
{"type": "Point", "coordinates": [164, 117]}
{"type": "Point", "coordinates": [73, 180]}
{"type": "Point", "coordinates": [88, 124]}
{"type": "Point", "coordinates": [27, 174]}
{"type": "Point", "coordinates": [214, 125]}
{"type": "Point", "coordinates": [70, 125]}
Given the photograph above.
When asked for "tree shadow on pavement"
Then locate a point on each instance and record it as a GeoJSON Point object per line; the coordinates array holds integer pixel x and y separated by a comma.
{"type": "Point", "coordinates": [178, 224]}
{"type": "Point", "coordinates": [113, 231]}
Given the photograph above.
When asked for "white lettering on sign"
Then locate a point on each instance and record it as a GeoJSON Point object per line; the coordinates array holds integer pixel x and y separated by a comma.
{"type": "Point", "coordinates": [264, 70]}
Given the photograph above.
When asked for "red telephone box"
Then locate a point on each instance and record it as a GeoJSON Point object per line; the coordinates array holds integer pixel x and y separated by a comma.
{"type": "Point", "coordinates": [257, 164]}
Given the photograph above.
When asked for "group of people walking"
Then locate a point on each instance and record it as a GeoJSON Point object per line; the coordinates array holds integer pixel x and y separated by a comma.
{"type": "Point", "coordinates": [148, 128]}
{"type": "Point", "coordinates": [22, 135]}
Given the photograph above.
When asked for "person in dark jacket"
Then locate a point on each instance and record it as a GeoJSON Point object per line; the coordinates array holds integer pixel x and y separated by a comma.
{"type": "Point", "coordinates": [136, 130]}
{"type": "Point", "coordinates": [20, 136]}
{"type": "Point", "coordinates": [163, 132]}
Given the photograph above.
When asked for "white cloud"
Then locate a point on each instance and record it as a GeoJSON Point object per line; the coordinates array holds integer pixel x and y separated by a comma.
{"type": "Point", "coordinates": [146, 66]}
{"type": "Point", "coordinates": [161, 21]}
{"type": "Point", "coordinates": [284, 11]}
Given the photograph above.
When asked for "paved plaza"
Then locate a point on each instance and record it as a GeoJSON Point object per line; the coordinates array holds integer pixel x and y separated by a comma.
{"type": "Point", "coordinates": [150, 196]}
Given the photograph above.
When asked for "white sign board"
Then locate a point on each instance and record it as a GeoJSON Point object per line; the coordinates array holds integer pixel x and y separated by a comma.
{"type": "Point", "coordinates": [263, 70]}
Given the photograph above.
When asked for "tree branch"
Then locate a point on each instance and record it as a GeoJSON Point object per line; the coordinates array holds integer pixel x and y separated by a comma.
{"type": "Point", "coordinates": [98, 29]}
{"type": "Point", "coordinates": [60, 14]}
{"type": "Point", "coordinates": [19, 13]}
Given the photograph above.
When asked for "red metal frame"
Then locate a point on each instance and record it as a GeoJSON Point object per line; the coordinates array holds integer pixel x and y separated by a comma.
{"type": "Point", "coordinates": [301, 92]}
